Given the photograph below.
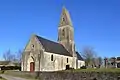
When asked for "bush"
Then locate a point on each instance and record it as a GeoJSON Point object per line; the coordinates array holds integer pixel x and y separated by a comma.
{"type": "Point", "coordinates": [10, 68]}
{"type": "Point", "coordinates": [83, 67]}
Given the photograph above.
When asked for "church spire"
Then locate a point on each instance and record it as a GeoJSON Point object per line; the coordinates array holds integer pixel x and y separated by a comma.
{"type": "Point", "coordinates": [66, 31]}
{"type": "Point", "coordinates": [65, 18]}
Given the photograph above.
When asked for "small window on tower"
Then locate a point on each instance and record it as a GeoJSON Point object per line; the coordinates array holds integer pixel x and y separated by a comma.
{"type": "Point", "coordinates": [63, 19]}
{"type": "Point", "coordinates": [63, 32]}
{"type": "Point", "coordinates": [67, 60]}
{"type": "Point", "coordinates": [51, 57]}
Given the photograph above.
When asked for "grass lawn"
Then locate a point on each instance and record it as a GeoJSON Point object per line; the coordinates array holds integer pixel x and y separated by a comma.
{"type": "Point", "coordinates": [0, 72]}
{"type": "Point", "coordinates": [2, 79]}
{"type": "Point", "coordinates": [26, 76]}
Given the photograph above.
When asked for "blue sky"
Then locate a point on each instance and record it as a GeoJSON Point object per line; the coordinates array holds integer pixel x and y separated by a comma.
{"type": "Point", "coordinates": [96, 23]}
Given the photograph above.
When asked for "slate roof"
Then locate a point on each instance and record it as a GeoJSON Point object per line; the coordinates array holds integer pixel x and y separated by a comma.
{"type": "Point", "coordinates": [79, 56]}
{"type": "Point", "coordinates": [53, 47]}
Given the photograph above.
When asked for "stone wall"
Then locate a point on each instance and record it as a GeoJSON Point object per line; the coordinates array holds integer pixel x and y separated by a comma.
{"type": "Point", "coordinates": [70, 75]}
{"type": "Point", "coordinates": [79, 76]}
{"type": "Point", "coordinates": [59, 62]}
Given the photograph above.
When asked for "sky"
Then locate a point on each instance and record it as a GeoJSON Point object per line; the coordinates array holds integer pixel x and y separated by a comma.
{"type": "Point", "coordinates": [96, 23]}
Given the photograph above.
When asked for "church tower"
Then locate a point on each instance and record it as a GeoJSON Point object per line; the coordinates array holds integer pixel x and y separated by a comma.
{"type": "Point", "coordinates": [66, 35]}
{"type": "Point", "coordinates": [66, 32]}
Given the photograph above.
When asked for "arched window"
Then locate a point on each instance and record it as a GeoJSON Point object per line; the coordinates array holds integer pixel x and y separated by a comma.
{"type": "Point", "coordinates": [51, 57]}
{"type": "Point", "coordinates": [67, 60]}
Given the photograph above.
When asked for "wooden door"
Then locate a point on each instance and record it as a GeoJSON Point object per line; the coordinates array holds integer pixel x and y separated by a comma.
{"type": "Point", "coordinates": [67, 67]}
{"type": "Point", "coordinates": [32, 67]}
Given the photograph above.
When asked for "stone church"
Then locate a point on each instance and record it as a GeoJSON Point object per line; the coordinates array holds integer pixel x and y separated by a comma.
{"type": "Point", "coordinates": [41, 54]}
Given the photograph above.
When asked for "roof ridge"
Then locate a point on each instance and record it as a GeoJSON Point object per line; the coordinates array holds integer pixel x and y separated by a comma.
{"type": "Point", "coordinates": [47, 39]}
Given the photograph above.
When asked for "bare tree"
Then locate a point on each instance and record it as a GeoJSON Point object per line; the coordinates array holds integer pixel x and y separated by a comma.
{"type": "Point", "coordinates": [89, 54]}
{"type": "Point", "coordinates": [13, 57]}
{"type": "Point", "coordinates": [106, 62]}
{"type": "Point", "coordinates": [19, 55]}
{"type": "Point", "coordinates": [100, 61]}
{"type": "Point", "coordinates": [94, 62]}
{"type": "Point", "coordinates": [8, 56]}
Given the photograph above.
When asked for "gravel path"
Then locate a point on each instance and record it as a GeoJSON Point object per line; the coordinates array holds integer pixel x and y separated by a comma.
{"type": "Point", "coordinates": [8, 77]}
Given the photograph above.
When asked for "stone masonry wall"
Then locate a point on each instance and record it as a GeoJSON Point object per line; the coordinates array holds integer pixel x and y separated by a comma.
{"type": "Point", "coordinates": [79, 76]}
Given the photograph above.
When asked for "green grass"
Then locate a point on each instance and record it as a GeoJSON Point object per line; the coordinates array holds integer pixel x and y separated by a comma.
{"type": "Point", "coordinates": [2, 79]}
{"type": "Point", "coordinates": [26, 76]}
{"type": "Point", "coordinates": [1, 71]}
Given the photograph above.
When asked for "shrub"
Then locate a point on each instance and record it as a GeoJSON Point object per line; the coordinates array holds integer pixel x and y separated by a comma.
{"type": "Point", "coordinates": [83, 67]}
{"type": "Point", "coordinates": [10, 68]}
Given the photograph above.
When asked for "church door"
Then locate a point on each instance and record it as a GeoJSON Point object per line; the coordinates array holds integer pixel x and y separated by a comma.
{"type": "Point", "coordinates": [67, 67]}
{"type": "Point", "coordinates": [32, 67]}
